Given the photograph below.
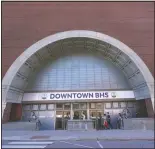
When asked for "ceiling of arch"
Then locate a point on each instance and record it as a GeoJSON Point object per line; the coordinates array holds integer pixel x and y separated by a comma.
{"type": "Point", "coordinates": [63, 47]}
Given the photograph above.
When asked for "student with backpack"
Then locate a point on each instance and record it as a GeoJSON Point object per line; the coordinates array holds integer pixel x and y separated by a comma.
{"type": "Point", "coordinates": [109, 121]}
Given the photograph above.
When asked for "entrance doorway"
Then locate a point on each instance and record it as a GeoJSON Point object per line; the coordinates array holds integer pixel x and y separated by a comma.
{"type": "Point", "coordinates": [61, 119]}
{"type": "Point", "coordinates": [62, 115]}
{"type": "Point", "coordinates": [95, 110]}
{"type": "Point", "coordinates": [16, 112]}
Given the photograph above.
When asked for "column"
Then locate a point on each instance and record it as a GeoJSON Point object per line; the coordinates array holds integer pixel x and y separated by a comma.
{"type": "Point", "coordinates": [71, 111]}
{"type": "Point", "coordinates": [88, 115]}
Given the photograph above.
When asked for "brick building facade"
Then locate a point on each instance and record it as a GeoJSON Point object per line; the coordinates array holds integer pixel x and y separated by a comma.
{"type": "Point", "coordinates": [25, 23]}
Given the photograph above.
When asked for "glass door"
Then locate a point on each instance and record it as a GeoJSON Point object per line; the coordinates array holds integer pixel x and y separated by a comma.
{"type": "Point", "coordinates": [95, 111]}
{"type": "Point", "coordinates": [59, 116]}
{"type": "Point", "coordinates": [66, 117]}
{"type": "Point", "coordinates": [62, 115]}
{"type": "Point", "coordinates": [59, 120]}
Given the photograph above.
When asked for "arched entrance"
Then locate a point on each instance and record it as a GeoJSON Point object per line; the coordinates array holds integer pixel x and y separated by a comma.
{"type": "Point", "coordinates": [17, 77]}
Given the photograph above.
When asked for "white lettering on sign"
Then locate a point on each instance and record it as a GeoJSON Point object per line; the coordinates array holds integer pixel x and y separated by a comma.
{"type": "Point", "coordinates": [78, 95]}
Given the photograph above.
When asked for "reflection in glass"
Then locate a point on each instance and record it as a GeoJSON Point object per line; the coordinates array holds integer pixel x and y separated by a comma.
{"type": "Point", "coordinates": [59, 106]}
{"type": "Point", "coordinates": [99, 106]}
{"type": "Point", "coordinates": [59, 114]}
{"type": "Point", "coordinates": [83, 105]}
{"type": "Point", "coordinates": [34, 107]}
{"type": "Point", "coordinates": [78, 114]}
{"type": "Point", "coordinates": [43, 107]}
{"type": "Point", "coordinates": [76, 106]}
{"type": "Point", "coordinates": [67, 106]}
{"type": "Point", "coordinates": [108, 105]}
{"type": "Point", "coordinates": [92, 105]}
{"type": "Point", "coordinates": [123, 104]}
{"type": "Point", "coordinates": [50, 106]}
{"type": "Point", "coordinates": [115, 105]}
{"type": "Point", "coordinates": [92, 114]}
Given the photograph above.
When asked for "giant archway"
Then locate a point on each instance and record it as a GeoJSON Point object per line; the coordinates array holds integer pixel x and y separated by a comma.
{"type": "Point", "coordinates": [19, 74]}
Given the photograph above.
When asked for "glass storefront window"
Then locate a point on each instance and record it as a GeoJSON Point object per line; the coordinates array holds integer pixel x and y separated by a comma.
{"type": "Point", "coordinates": [92, 114]}
{"type": "Point", "coordinates": [83, 105]}
{"type": "Point", "coordinates": [108, 105]}
{"type": "Point", "coordinates": [67, 106]}
{"type": "Point", "coordinates": [50, 106]}
{"type": "Point", "coordinates": [59, 106]}
{"type": "Point", "coordinates": [78, 114]}
{"type": "Point", "coordinates": [99, 106]}
{"type": "Point", "coordinates": [115, 105]}
{"type": "Point", "coordinates": [59, 114]}
{"type": "Point", "coordinates": [65, 114]}
{"type": "Point", "coordinates": [99, 112]}
{"type": "Point", "coordinates": [76, 106]}
{"type": "Point", "coordinates": [43, 107]}
{"type": "Point", "coordinates": [34, 107]}
{"type": "Point", "coordinates": [92, 105]}
{"type": "Point", "coordinates": [123, 104]}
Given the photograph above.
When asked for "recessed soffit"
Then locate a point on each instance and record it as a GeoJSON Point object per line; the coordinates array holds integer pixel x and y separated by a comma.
{"type": "Point", "coordinates": [100, 48]}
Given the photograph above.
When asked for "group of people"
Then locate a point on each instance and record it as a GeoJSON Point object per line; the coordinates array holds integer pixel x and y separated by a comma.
{"type": "Point", "coordinates": [105, 121]}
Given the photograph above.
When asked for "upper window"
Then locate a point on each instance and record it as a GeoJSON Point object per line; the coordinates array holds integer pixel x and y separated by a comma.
{"type": "Point", "coordinates": [59, 106]}
{"type": "Point", "coordinates": [67, 106]}
{"type": "Point", "coordinates": [115, 105]}
{"type": "Point", "coordinates": [76, 106]}
{"type": "Point", "coordinates": [92, 105]}
{"type": "Point", "coordinates": [99, 106]}
{"type": "Point", "coordinates": [50, 106]}
{"type": "Point", "coordinates": [108, 105]}
{"type": "Point", "coordinates": [34, 107]}
{"type": "Point", "coordinates": [43, 107]}
{"type": "Point", "coordinates": [123, 104]}
{"type": "Point", "coordinates": [83, 106]}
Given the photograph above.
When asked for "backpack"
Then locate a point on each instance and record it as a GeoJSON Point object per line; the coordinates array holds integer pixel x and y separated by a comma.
{"type": "Point", "coordinates": [105, 124]}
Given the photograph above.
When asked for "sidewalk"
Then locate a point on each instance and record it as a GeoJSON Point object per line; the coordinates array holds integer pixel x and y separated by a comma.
{"type": "Point", "coordinates": [78, 135]}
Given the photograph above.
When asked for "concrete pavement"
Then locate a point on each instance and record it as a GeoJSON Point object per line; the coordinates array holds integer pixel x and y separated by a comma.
{"type": "Point", "coordinates": [78, 144]}
{"type": "Point", "coordinates": [79, 135]}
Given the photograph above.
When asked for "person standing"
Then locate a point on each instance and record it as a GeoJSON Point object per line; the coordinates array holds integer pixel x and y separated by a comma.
{"type": "Point", "coordinates": [99, 121]}
{"type": "Point", "coordinates": [109, 120]}
{"type": "Point", "coordinates": [105, 123]}
{"type": "Point", "coordinates": [38, 123]}
{"type": "Point", "coordinates": [67, 117]}
{"type": "Point", "coordinates": [119, 121]}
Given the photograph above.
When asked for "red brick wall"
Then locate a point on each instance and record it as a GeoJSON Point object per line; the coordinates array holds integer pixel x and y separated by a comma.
{"type": "Point", "coordinates": [149, 108]}
{"type": "Point", "coordinates": [16, 112]}
{"type": "Point", "coordinates": [24, 23]}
